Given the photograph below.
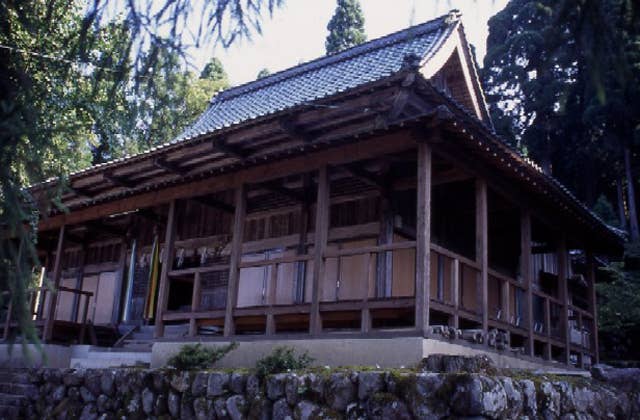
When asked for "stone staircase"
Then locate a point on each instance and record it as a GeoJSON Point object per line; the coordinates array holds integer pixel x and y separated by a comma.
{"type": "Point", "coordinates": [15, 389]}
{"type": "Point", "coordinates": [135, 349]}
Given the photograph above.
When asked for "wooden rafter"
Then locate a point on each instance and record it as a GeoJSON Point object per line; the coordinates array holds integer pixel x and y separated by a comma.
{"type": "Point", "coordinates": [221, 145]}
{"type": "Point", "coordinates": [172, 167]}
{"type": "Point", "coordinates": [278, 188]}
{"type": "Point", "coordinates": [82, 192]}
{"type": "Point", "coordinates": [214, 203]}
{"type": "Point", "coordinates": [365, 176]}
{"type": "Point", "coordinates": [293, 131]}
{"type": "Point", "coordinates": [118, 180]}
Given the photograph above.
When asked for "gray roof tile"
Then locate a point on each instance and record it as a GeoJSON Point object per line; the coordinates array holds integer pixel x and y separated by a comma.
{"type": "Point", "coordinates": [323, 77]}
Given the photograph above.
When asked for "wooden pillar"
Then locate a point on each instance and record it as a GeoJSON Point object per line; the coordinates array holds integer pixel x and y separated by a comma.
{"type": "Point", "coordinates": [321, 235]}
{"type": "Point", "coordinates": [423, 239]}
{"type": "Point", "coordinates": [384, 266]}
{"type": "Point", "coordinates": [564, 294]}
{"type": "Point", "coordinates": [57, 270]}
{"type": "Point", "coordinates": [303, 227]}
{"type": "Point", "coordinates": [78, 285]}
{"type": "Point", "coordinates": [167, 262]}
{"type": "Point", "coordinates": [236, 257]}
{"type": "Point", "coordinates": [591, 283]}
{"type": "Point", "coordinates": [482, 248]}
{"type": "Point", "coordinates": [547, 328]}
{"type": "Point", "coordinates": [121, 275]}
{"type": "Point", "coordinates": [455, 291]}
{"type": "Point", "coordinates": [195, 305]}
{"type": "Point", "coordinates": [527, 273]}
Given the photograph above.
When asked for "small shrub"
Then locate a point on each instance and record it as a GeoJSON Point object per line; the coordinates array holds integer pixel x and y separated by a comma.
{"type": "Point", "coordinates": [282, 359]}
{"type": "Point", "coordinates": [197, 356]}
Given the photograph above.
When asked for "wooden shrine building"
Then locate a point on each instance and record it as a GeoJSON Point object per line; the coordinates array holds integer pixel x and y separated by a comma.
{"type": "Point", "coordinates": [362, 194]}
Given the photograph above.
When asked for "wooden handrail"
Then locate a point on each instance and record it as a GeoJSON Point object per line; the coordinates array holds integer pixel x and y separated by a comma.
{"type": "Point", "coordinates": [464, 260]}
{"type": "Point", "coordinates": [370, 249]}
{"type": "Point", "coordinates": [273, 261]}
{"type": "Point", "coordinates": [202, 269]}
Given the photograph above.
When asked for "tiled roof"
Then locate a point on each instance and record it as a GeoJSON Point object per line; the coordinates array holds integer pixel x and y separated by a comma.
{"type": "Point", "coordinates": [323, 77]}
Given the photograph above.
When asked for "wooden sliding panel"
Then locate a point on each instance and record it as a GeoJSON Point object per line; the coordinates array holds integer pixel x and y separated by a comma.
{"type": "Point", "coordinates": [564, 293]}
{"type": "Point", "coordinates": [527, 274]}
{"type": "Point", "coordinates": [236, 256]}
{"type": "Point", "coordinates": [121, 276]}
{"type": "Point", "coordinates": [57, 270]}
{"type": "Point", "coordinates": [423, 239]}
{"type": "Point", "coordinates": [167, 262]}
{"type": "Point", "coordinates": [482, 249]}
{"type": "Point", "coordinates": [319, 247]}
{"type": "Point", "coordinates": [591, 284]}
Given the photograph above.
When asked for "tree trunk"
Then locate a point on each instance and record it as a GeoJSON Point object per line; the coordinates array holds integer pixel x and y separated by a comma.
{"type": "Point", "coordinates": [631, 196]}
{"type": "Point", "coordinates": [622, 217]}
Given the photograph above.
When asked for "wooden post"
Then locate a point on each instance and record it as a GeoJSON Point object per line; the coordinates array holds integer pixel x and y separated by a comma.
{"type": "Point", "coordinates": [423, 239]}
{"type": "Point", "coordinates": [591, 282]}
{"type": "Point", "coordinates": [195, 305]}
{"type": "Point", "coordinates": [527, 274]}
{"type": "Point", "coordinates": [303, 227]}
{"type": "Point", "coordinates": [236, 257]}
{"type": "Point", "coordinates": [365, 313]}
{"type": "Point", "coordinates": [482, 248]}
{"type": "Point", "coordinates": [455, 291]}
{"type": "Point", "coordinates": [564, 294]}
{"type": "Point", "coordinates": [547, 327]}
{"type": "Point", "coordinates": [120, 280]}
{"type": "Point", "coordinates": [319, 247]}
{"type": "Point", "coordinates": [79, 281]}
{"type": "Point", "coordinates": [167, 262]}
{"type": "Point", "coordinates": [272, 289]}
{"type": "Point", "coordinates": [384, 266]}
{"type": "Point", "coordinates": [57, 270]}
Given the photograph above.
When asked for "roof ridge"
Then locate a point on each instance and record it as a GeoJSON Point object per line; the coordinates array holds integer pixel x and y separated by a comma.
{"type": "Point", "coordinates": [450, 18]}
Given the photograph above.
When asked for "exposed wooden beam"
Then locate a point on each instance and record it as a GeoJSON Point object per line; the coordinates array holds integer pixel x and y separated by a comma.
{"type": "Point", "coordinates": [172, 167]}
{"type": "Point", "coordinates": [149, 215]}
{"type": "Point", "coordinates": [83, 192]}
{"type": "Point", "coordinates": [365, 176]}
{"type": "Point", "coordinates": [119, 180]}
{"type": "Point", "coordinates": [277, 188]}
{"type": "Point", "coordinates": [294, 132]}
{"type": "Point", "coordinates": [221, 145]}
{"type": "Point", "coordinates": [216, 204]}
{"type": "Point", "coordinates": [110, 230]}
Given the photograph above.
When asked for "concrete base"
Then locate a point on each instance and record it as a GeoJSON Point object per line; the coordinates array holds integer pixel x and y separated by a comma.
{"type": "Point", "coordinates": [382, 352]}
{"type": "Point", "coordinates": [48, 355]}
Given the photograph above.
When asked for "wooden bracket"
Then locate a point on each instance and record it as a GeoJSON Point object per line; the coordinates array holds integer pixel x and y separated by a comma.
{"type": "Point", "coordinates": [295, 132]}
{"type": "Point", "coordinates": [118, 180]}
{"type": "Point", "coordinates": [221, 145]}
{"type": "Point", "coordinates": [216, 204]}
{"type": "Point", "coordinates": [172, 167]}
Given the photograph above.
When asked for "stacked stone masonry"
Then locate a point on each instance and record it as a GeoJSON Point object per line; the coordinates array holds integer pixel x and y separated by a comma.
{"type": "Point", "coordinates": [321, 393]}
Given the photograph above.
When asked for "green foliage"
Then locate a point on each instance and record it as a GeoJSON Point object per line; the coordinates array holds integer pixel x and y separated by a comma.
{"type": "Point", "coordinates": [619, 307]}
{"type": "Point", "coordinates": [346, 27]}
{"type": "Point", "coordinates": [562, 80]}
{"type": "Point", "coordinates": [197, 356]}
{"type": "Point", "coordinates": [80, 84]}
{"type": "Point", "coordinates": [263, 73]}
{"type": "Point", "coordinates": [604, 210]}
{"type": "Point", "coordinates": [282, 359]}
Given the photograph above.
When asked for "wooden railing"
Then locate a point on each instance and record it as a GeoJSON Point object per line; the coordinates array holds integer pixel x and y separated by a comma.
{"type": "Point", "coordinates": [366, 298]}
{"type": "Point", "coordinates": [195, 313]}
{"type": "Point", "coordinates": [38, 306]}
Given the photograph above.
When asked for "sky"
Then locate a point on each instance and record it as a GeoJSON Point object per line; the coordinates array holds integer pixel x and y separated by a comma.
{"type": "Point", "coordinates": [297, 31]}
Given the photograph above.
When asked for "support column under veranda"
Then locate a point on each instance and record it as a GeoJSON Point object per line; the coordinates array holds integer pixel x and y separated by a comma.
{"type": "Point", "coordinates": [423, 239]}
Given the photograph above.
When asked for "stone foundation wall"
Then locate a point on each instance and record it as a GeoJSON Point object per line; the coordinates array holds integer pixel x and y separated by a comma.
{"type": "Point", "coordinates": [320, 393]}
